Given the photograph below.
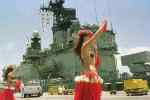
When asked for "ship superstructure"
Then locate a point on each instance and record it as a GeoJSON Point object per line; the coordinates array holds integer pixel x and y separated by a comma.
{"type": "Point", "coordinates": [59, 61]}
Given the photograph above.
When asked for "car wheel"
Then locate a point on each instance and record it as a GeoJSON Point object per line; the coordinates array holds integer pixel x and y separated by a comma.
{"type": "Point", "coordinates": [24, 95]}
{"type": "Point", "coordinates": [146, 93]}
{"type": "Point", "coordinates": [39, 94]}
{"type": "Point", "coordinates": [29, 95]}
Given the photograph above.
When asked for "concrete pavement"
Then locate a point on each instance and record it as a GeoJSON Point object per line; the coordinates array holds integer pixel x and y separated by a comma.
{"type": "Point", "coordinates": [106, 96]}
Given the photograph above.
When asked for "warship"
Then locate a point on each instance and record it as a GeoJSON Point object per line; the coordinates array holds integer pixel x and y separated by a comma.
{"type": "Point", "coordinates": [59, 60]}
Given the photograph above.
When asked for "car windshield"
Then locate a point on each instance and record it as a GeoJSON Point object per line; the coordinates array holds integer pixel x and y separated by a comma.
{"type": "Point", "coordinates": [32, 84]}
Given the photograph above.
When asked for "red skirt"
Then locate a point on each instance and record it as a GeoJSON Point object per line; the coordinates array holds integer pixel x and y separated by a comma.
{"type": "Point", "coordinates": [87, 91]}
{"type": "Point", "coordinates": [7, 94]}
{"type": "Point", "coordinates": [1, 95]}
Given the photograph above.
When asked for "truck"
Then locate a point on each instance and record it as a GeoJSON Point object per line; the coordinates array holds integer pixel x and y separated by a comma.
{"type": "Point", "coordinates": [136, 87]}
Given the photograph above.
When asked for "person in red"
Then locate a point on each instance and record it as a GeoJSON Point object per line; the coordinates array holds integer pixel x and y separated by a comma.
{"type": "Point", "coordinates": [7, 93]}
{"type": "Point", "coordinates": [88, 86]}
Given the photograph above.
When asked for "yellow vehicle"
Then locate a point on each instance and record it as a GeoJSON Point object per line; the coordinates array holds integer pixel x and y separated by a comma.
{"type": "Point", "coordinates": [52, 89]}
{"type": "Point", "coordinates": [136, 87]}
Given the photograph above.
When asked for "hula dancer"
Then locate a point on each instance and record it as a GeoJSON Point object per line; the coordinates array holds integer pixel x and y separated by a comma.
{"type": "Point", "coordinates": [88, 86]}
{"type": "Point", "coordinates": [11, 85]}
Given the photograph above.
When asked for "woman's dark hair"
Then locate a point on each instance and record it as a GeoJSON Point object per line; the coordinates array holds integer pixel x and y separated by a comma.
{"type": "Point", "coordinates": [79, 44]}
{"type": "Point", "coordinates": [8, 70]}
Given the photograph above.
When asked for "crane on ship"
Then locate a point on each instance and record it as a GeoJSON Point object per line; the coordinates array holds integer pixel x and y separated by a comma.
{"type": "Point", "coordinates": [53, 12]}
{"type": "Point", "coordinates": [62, 17]}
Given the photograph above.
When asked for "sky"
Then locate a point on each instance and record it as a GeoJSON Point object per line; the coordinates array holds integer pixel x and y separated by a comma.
{"type": "Point", "coordinates": [19, 18]}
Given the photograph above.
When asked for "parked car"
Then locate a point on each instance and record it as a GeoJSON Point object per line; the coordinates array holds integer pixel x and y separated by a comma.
{"type": "Point", "coordinates": [31, 89]}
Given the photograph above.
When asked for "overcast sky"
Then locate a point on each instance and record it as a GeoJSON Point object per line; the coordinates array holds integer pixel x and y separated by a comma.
{"type": "Point", "coordinates": [19, 18]}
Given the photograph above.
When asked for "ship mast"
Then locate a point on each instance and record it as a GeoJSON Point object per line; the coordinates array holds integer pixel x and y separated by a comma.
{"type": "Point", "coordinates": [63, 18]}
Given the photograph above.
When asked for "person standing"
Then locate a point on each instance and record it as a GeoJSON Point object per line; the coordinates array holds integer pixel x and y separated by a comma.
{"type": "Point", "coordinates": [88, 86]}
{"type": "Point", "coordinates": [11, 85]}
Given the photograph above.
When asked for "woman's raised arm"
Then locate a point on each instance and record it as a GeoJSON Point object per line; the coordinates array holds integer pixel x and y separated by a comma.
{"type": "Point", "coordinates": [102, 28]}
